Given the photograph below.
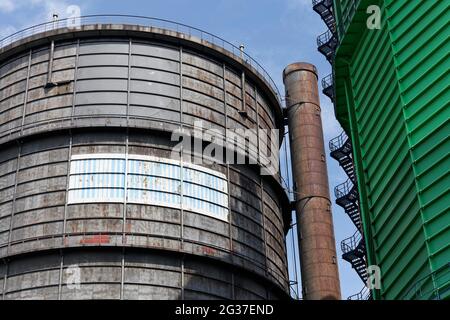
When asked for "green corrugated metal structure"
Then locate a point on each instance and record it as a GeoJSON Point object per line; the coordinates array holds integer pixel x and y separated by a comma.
{"type": "Point", "coordinates": [392, 98]}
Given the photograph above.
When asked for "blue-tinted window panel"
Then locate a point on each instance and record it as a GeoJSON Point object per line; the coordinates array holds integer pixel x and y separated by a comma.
{"type": "Point", "coordinates": [150, 181]}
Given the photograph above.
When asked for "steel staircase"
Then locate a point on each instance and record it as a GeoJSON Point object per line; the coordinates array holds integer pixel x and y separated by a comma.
{"type": "Point", "coordinates": [347, 196]}
{"type": "Point", "coordinates": [354, 251]}
{"type": "Point", "coordinates": [327, 86]}
{"type": "Point", "coordinates": [325, 9]}
{"type": "Point", "coordinates": [353, 248]}
{"type": "Point", "coordinates": [341, 151]}
{"type": "Point", "coordinates": [327, 42]}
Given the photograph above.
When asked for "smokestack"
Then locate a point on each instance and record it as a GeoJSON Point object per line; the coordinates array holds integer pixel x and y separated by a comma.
{"type": "Point", "coordinates": [320, 276]}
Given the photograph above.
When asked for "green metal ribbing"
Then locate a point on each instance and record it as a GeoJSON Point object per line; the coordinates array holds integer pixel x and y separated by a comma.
{"type": "Point", "coordinates": [420, 42]}
{"type": "Point", "coordinates": [392, 99]}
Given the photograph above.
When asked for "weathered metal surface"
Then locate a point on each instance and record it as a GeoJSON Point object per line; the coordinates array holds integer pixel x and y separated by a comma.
{"type": "Point", "coordinates": [113, 94]}
{"type": "Point", "coordinates": [146, 274]}
{"type": "Point", "coordinates": [320, 278]}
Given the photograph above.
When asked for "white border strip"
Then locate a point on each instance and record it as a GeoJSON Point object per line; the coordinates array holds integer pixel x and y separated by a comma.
{"type": "Point", "coordinates": [93, 156]}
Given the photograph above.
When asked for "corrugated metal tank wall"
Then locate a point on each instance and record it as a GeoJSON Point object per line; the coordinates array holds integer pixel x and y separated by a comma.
{"type": "Point", "coordinates": [392, 98]}
{"type": "Point", "coordinates": [127, 98]}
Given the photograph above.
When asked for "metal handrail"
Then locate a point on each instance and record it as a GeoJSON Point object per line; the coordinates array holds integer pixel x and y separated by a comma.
{"type": "Point", "coordinates": [324, 38]}
{"type": "Point", "coordinates": [351, 243]}
{"type": "Point", "coordinates": [343, 189]}
{"type": "Point", "coordinates": [316, 2]}
{"type": "Point", "coordinates": [338, 142]}
{"type": "Point", "coordinates": [147, 22]}
{"type": "Point", "coordinates": [328, 81]}
{"type": "Point", "coordinates": [364, 294]}
{"type": "Point", "coordinates": [11, 131]}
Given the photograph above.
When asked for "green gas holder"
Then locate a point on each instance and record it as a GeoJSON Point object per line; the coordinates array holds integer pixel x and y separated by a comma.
{"type": "Point", "coordinates": [391, 93]}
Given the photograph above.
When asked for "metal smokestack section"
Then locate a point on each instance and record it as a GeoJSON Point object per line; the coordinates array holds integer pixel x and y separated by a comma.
{"type": "Point", "coordinates": [320, 276]}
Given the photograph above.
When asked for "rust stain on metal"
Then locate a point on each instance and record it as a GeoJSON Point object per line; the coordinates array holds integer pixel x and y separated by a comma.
{"type": "Point", "coordinates": [209, 251]}
{"type": "Point", "coordinates": [320, 276]}
{"type": "Point", "coordinates": [96, 239]}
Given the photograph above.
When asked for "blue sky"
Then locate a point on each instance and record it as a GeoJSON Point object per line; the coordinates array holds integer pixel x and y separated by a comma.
{"type": "Point", "coordinates": [275, 33]}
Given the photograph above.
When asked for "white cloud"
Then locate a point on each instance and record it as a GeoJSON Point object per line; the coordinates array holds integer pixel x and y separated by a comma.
{"type": "Point", "coordinates": [7, 6]}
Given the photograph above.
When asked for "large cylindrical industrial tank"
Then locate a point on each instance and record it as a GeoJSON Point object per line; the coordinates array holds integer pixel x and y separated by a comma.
{"type": "Point", "coordinates": [93, 205]}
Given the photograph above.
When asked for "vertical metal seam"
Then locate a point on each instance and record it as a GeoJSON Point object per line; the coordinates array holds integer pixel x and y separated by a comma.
{"type": "Point", "coordinates": [125, 190]}
{"type": "Point", "coordinates": [13, 209]}
{"type": "Point", "coordinates": [5, 279]}
{"type": "Point", "coordinates": [124, 213]}
{"type": "Point", "coordinates": [122, 275]}
{"type": "Point", "coordinates": [182, 277]}
{"type": "Point", "coordinates": [261, 181]}
{"type": "Point", "coordinates": [258, 133]}
{"type": "Point", "coordinates": [61, 268]}
{"type": "Point", "coordinates": [130, 43]}
{"type": "Point", "coordinates": [181, 156]}
{"type": "Point", "coordinates": [230, 223]}
{"type": "Point", "coordinates": [243, 94]}
{"type": "Point", "coordinates": [50, 62]}
{"type": "Point", "coordinates": [233, 292]}
{"type": "Point", "coordinates": [75, 81]}
{"type": "Point", "coordinates": [127, 137]}
{"type": "Point", "coordinates": [66, 204]}
{"type": "Point", "coordinates": [264, 226]}
{"type": "Point", "coordinates": [27, 87]}
{"type": "Point", "coordinates": [69, 165]}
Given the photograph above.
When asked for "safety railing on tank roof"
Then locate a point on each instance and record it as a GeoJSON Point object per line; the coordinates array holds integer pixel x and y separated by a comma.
{"type": "Point", "coordinates": [145, 22]}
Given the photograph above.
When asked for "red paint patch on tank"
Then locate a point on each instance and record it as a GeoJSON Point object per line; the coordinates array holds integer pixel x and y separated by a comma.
{"type": "Point", "coordinates": [97, 239]}
{"type": "Point", "coordinates": [209, 251]}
